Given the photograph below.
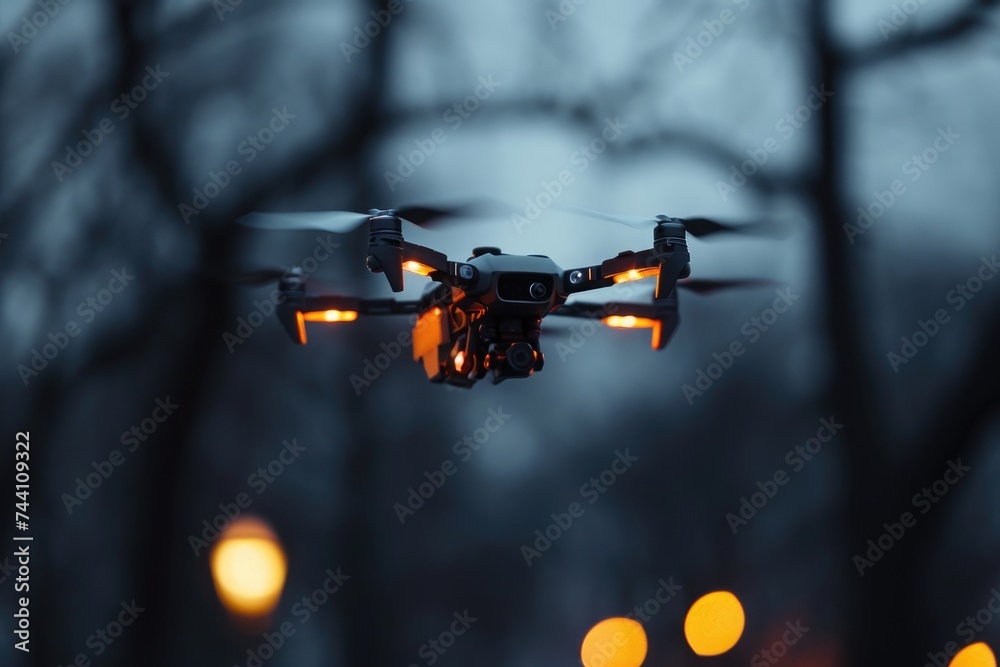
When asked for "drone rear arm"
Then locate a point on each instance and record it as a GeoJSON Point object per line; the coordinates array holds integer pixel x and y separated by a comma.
{"type": "Point", "coordinates": [661, 316]}
{"type": "Point", "coordinates": [298, 309]}
{"type": "Point", "coordinates": [668, 261]}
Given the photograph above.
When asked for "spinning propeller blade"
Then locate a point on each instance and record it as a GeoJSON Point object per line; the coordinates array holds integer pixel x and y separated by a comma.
{"type": "Point", "coordinates": [709, 286]}
{"type": "Point", "coordinates": [337, 222]}
{"type": "Point", "coordinates": [434, 216]}
{"type": "Point", "coordinates": [344, 222]}
{"type": "Point", "coordinates": [706, 286]}
{"type": "Point", "coordinates": [261, 277]}
{"type": "Point", "coordinates": [634, 221]}
{"type": "Point", "coordinates": [697, 227]}
{"type": "Point", "coordinates": [269, 276]}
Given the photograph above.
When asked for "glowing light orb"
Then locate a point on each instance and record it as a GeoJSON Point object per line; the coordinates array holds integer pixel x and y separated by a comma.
{"type": "Point", "coordinates": [614, 642]}
{"type": "Point", "coordinates": [974, 655]}
{"type": "Point", "coordinates": [714, 623]}
{"type": "Point", "coordinates": [249, 568]}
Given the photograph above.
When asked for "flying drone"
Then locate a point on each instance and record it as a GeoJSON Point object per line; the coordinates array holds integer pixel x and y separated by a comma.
{"type": "Point", "coordinates": [483, 317]}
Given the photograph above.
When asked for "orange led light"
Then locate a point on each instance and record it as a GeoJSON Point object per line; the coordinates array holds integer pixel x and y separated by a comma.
{"type": "Point", "coordinates": [459, 360]}
{"type": "Point", "coordinates": [636, 274]}
{"type": "Point", "coordinates": [331, 316]}
{"type": "Point", "coordinates": [301, 321]}
{"type": "Point", "coordinates": [629, 322]}
{"type": "Point", "coordinates": [657, 340]}
{"type": "Point", "coordinates": [417, 267]}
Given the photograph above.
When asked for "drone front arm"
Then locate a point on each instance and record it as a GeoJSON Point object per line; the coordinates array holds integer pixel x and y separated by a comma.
{"type": "Point", "coordinates": [427, 262]}
{"type": "Point", "coordinates": [295, 312]}
{"type": "Point", "coordinates": [669, 261]}
{"type": "Point", "coordinates": [422, 260]}
{"type": "Point", "coordinates": [627, 266]}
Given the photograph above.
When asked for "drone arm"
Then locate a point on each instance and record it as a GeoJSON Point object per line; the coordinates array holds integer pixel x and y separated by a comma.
{"type": "Point", "coordinates": [422, 260]}
{"type": "Point", "coordinates": [295, 311]}
{"type": "Point", "coordinates": [625, 267]}
{"type": "Point", "coordinates": [393, 260]}
{"type": "Point", "coordinates": [427, 262]}
{"type": "Point", "coordinates": [661, 316]}
{"type": "Point", "coordinates": [668, 260]}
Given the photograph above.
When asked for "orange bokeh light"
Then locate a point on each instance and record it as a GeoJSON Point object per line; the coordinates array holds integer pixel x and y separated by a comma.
{"type": "Point", "coordinates": [614, 642]}
{"type": "Point", "coordinates": [249, 568]}
{"type": "Point", "coordinates": [714, 623]}
{"type": "Point", "coordinates": [974, 655]}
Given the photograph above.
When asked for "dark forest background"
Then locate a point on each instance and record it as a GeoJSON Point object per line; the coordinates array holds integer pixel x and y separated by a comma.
{"type": "Point", "coordinates": [902, 75]}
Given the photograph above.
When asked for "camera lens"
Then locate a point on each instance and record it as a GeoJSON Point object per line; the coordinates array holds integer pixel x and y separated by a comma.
{"type": "Point", "coordinates": [537, 291]}
{"type": "Point", "coordinates": [520, 357]}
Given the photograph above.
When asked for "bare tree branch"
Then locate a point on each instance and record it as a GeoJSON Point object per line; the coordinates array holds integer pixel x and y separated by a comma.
{"type": "Point", "coordinates": [974, 16]}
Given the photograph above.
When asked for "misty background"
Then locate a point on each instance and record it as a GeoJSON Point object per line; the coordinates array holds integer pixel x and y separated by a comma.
{"type": "Point", "coordinates": [694, 90]}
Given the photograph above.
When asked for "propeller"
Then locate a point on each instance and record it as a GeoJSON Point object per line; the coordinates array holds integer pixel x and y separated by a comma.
{"type": "Point", "coordinates": [706, 286]}
{"type": "Point", "coordinates": [344, 222]}
{"type": "Point", "coordinates": [431, 216]}
{"type": "Point", "coordinates": [261, 277]}
{"type": "Point", "coordinates": [558, 330]}
{"type": "Point", "coordinates": [710, 286]}
{"type": "Point", "coordinates": [697, 227]}
{"type": "Point", "coordinates": [337, 222]}
{"type": "Point", "coordinates": [270, 276]}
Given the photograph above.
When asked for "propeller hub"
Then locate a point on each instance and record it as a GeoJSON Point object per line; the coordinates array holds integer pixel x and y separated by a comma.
{"type": "Point", "coordinates": [292, 280]}
{"type": "Point", "coordinates": [669, 230]}
{"type": "Point", "coordinates": [387, 222]}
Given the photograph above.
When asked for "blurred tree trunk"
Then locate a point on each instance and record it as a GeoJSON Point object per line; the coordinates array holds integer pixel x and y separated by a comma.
{"type": "Point", "coordinates": [883, 612]}
{"type": "Point", "coordinates": [368, 615]}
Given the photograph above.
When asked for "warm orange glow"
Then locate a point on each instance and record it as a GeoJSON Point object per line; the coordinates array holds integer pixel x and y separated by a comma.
{"type": "Point", "coordinates": [629, 322]}
{"type": "Point", "coordinates": [974, 655]}
{"type": "Point", "coordinates": [636, 274]}
{"type": "Point", "coordinates": [249, 568]}
{"type": "Point", "coordinates": [459, 360]}
{"type": "Point", "coordinates": [714, 623]}
{"type": "Point", "coordinates": [657, 340]}
{"type": "Point", "coordinates": [614, 642]}
{"type": "Point", "coordinates": [301, 321]}
{"type": "Point", "coordinates": [417, 267]}
{"type": "Point", "coordinates": [331, 316]}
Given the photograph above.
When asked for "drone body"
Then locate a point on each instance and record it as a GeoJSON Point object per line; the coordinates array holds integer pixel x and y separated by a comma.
{"type": "Point", "coordinates": [483, 317]}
